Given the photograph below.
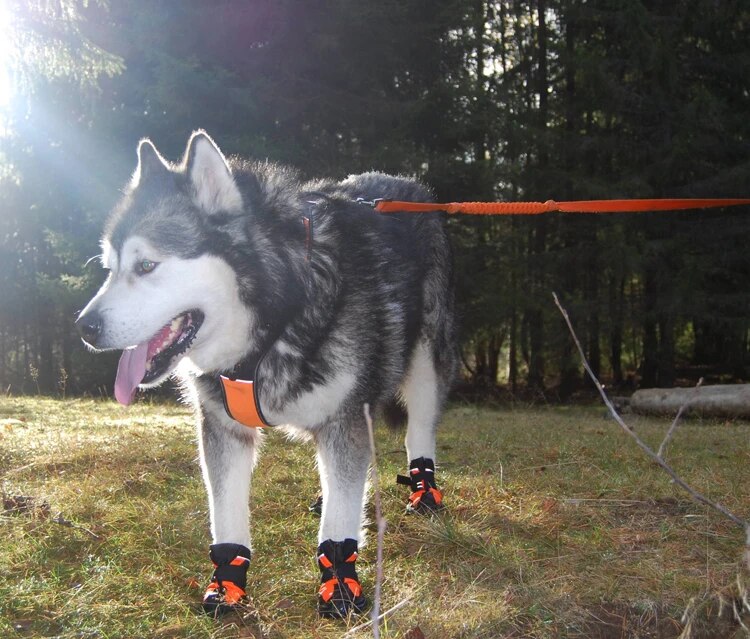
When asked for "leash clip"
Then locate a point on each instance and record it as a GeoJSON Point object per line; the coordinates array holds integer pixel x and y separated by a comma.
{"type": "Point", "coordinates": [373, 203]}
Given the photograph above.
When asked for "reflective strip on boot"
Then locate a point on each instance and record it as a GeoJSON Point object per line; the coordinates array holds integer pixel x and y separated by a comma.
{"type": "Point", "coordinates": [225, 592]}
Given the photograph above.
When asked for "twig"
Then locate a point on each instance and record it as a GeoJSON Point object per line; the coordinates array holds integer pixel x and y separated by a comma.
{"type": "Point", "coordinates": [362, 626]}
{"type": "Point", "coordinates": [381, 526]}
{"type": "Point", "coordinates": [40, 462]}
{"type": "Point", "coordinates": [672, 428]}
{"type": "Point", "coordinates": [69, 524]}
{"type": "Point", "coordinates": [642, 445]}
{"type": "Point", "coordinates": [627, 502]}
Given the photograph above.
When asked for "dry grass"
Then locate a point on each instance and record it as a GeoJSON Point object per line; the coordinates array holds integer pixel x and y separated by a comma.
{"type": "Point", "coordinates": [556, 527]}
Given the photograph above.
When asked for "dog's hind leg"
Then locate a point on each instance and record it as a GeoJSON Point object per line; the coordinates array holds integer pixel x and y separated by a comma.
{"type": "Point", "coordinates": [423, 392]}
{"type": "Point", "coordinates": [423, 403]}
{"type": "Point", "coordinates": [228, 452]}
{"type": "Point", "coordinates": [343, 460]}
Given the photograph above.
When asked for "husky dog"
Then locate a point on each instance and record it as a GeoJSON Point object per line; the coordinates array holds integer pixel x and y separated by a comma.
{"type": "Point", "coordinates": [278, 302]}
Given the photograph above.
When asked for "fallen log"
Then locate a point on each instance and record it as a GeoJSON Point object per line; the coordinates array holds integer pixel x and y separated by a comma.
{"type": "Point", "coordinates": [710, 401]}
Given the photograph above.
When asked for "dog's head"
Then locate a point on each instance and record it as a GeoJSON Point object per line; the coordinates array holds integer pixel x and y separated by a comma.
{"type": "Point", "coordinates": [169, 297]}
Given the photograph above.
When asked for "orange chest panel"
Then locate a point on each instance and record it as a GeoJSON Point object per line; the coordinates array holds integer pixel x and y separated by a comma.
{"type": "Point", "coordinates": [241, 402]}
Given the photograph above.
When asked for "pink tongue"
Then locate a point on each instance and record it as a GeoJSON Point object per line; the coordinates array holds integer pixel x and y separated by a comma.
{"type": "Point", "coordinates": [130, 372]}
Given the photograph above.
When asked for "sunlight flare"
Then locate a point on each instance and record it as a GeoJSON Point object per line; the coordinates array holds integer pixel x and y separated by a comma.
{"type": "Point", "coordinates": [6, 51]}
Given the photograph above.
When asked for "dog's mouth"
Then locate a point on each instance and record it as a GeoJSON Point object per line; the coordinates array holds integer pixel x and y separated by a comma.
{"type": "Point", "coordinates": [150, 360]}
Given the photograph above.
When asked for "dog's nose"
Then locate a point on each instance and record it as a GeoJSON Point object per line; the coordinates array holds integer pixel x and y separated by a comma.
{"type": "Point", "coordinates": [89, 326]}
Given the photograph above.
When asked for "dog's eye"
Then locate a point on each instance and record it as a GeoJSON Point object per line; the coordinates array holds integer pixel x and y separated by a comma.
{"type": "Point", "coordinates": [145, 266]}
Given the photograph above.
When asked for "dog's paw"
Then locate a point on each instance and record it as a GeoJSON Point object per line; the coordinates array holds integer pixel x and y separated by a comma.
{"type": "Point", "coordinates": [340, 593]}
{"type": "Point", "coordinates": [226, 592]}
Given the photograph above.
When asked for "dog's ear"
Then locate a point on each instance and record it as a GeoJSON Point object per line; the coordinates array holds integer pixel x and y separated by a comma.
{"type": "Point", "coordinates": [214, 187]}
{"type": "Point", "coordinates": [150, 163]}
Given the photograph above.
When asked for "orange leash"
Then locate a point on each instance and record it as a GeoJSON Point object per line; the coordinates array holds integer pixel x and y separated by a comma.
{"type": "Point", "coordinates": [536, 208]}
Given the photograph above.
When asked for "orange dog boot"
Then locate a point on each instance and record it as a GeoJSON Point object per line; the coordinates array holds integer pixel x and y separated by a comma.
{"type": "Point", "coordinates": [340, 592]}
{"type": "Point", "coordinates": [227, 588]}
{"type": "Point", "coordinates": [425, 498]}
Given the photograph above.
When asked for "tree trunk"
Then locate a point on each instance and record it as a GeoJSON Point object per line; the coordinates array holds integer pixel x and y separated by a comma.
{"type": "Point", "coordinates": [649, 366]}
{"type": "Point", "coordinates": [536, 325]}
{"type": "Point", "coordinates": [616, 309]}
{"type": "Point", "coordinates": [666, 370]}
{"type": "Point", "coordinates": [512, 352]}
{"type": "Point", "coordinates": [480, 361]}
{"type": "Point", "coordinates": [513, 345]}
{"type": "Point", "coordinates": [493, 358]}
{"type": "Point", "coordinates": [45, 358]}
{"type": "Point", "coordinates": [594, 350]}
{"type": "Point", "coordinates": [536, 316]}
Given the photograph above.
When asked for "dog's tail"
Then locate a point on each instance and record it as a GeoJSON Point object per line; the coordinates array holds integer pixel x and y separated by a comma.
{"type": "Point", "coordinates": [394, 413]}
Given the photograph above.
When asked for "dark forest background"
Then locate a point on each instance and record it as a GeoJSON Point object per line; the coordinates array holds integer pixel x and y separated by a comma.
{"type": "Point", "coordinates": [481, 100]}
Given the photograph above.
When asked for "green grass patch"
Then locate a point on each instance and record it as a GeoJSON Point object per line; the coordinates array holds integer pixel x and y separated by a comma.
{"type": "Point", "coordinates": [557, 527]}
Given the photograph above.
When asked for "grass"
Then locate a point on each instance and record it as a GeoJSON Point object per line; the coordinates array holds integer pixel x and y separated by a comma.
{"type": "Point", "coordinates": [557, 527]}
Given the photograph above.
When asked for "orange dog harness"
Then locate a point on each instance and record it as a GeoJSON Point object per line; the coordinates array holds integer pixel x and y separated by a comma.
{"type": "Point", "coordinates": [241, 402]}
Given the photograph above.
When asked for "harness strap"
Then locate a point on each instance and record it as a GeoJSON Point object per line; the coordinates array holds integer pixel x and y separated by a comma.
{"type": "Point", "coordinates": [240, 396]}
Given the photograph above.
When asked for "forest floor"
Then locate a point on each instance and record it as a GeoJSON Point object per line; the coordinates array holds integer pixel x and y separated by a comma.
{"type": "Point", "coordinates": [556, 527]}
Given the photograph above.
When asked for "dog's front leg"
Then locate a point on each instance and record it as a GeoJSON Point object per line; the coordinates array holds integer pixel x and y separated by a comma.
{"type": "Point", "coordinates": [343, 459]}
{"type": "Point", "coordinates": [228, 452]}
